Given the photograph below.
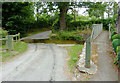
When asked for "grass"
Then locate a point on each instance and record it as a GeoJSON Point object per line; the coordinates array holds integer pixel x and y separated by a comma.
{"type": "Point", "coordinates": [73, 52]}
{"type": "Point", "coordinates": [19, 48]}
{"type": "Point", "coordinates": [69, 35]}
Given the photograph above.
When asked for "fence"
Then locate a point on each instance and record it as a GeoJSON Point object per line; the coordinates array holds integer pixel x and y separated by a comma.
{"type": "Point", "coordinates": [10, 41]}
{"type": "Point", "coordinates": [96, 30]}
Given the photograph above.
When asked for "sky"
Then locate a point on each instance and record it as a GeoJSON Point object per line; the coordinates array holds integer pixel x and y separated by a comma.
{"type": "Point", "coordinates": [82, 11]}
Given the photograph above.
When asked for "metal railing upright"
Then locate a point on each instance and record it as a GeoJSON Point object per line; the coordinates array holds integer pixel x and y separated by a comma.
{"type": "Point", "coordinates": [96, 30]}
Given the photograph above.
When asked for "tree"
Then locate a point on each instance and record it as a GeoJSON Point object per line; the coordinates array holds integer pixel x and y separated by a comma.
{"type": "Point", "coordinates": [17, 16]}
{"type": "Point", "coordinates": [118, 21]}
{"type": "Point", "coordinates": [96, 9]}
{"type": "Point", "coordinates": [63, 7]}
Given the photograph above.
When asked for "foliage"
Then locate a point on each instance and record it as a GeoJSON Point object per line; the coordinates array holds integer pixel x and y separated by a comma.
{"type": "Point", "coordinates": [113, 33]}
{"type": "Point", "coordinates": [66, 35]}
{"type": "Point", "coordinates": [116, 36]}
{"type": "Point", "coordinates": [79, 25]}
{"type": "Point", "coordinates": [56, 25]}
{"type": "Point", "coordinates": [85, 24]}
{"type": "Point", "coordinates": [118, 49]}
{"type": "Point", "coordinates": [17, 16]}
{"type": "Point", "coordinates": [73, 52]}
{"type": "Point", "coordinates": [117, 59]}
{"type": "Point", "coordinates": [115, 43]}
{"type": "Point", "coordinates": [3, 32]}
{"type": "Point", "coordinates": [43, 21]}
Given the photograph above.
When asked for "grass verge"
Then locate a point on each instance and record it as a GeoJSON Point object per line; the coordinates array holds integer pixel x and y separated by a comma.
{"type": "Point", "coordinates": [19, 48]}
{"type": "Point", "coordinates": [73, 52]}
{"type": "Point", "coordinates": [70, 35]}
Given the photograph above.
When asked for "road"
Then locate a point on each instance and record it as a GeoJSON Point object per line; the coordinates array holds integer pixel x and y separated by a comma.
{"type": "Point", "coordinates": [42, 62]}
{"type": "Point", "coordinates": [42, 35]}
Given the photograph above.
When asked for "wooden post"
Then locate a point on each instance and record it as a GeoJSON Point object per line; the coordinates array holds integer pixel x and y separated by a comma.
{"type": "Point", "coordinates": [18, 36]}
{"type": "Point", "coordinates": [9, 42]}
{"type": "Point", "coordinates": [88, 53]}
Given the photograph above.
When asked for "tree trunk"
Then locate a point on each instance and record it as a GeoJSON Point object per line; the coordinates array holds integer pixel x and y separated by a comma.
{"type": "Point", "coordinates": [63, 12]}
{"type": "Point", "coordinates": [118, 23]}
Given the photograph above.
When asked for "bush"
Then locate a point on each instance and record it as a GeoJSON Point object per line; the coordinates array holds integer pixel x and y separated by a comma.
{"type": "Point", "coordinates": [79, 25]}
{"type": "Point", "coordinates": [78, 37]}
{"type": "Point", "coordinates": [113, 33]}
{"type": "Point", "coordinates": [115, 43]}
{"type": "Point", "coordinates": [116, 36]}
{"type": "Point", "coordinates": [65, 35]}
{"type": "Point", "coordinates": [56, 25]}
{"type": "Point", "coordinates": [118, 58]}
{"type": "Point", "coordinates": [3, 32]}
{"type": "Point", "coordinates": [118, 49]}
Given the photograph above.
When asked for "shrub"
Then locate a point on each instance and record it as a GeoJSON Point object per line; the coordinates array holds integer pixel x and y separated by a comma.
{"type": "Point", "coordinates": [79, 25]}
{"type": "Point", "coordinates": [118, 49]}
{"type": "Point", "coordinates": [117, 60]}
{"type": "Point", "coordinates": [3, 32]}
{"type": "Point", "coordinates": [56, 25]}
{"type": "Point", "coordinates": [113, 33]}
{"type": "Point", "coordinates": [78, 37]}
{"type": "Point", "coordinates": [118, 55]}
{"type": "Point", "coordinates": [65, 35]}
{"type": "Point", "coordinates": [115, 43]}
{"type": "Point", "coordinates": [116, 36]}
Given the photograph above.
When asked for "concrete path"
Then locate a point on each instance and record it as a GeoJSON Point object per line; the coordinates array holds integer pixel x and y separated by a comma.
{"type": "Point", "coordinates": [42, 62]}
{"type": "Point", "coordinates": [106, 70]}
{"type": "Point", "coordinates": [42, 35]}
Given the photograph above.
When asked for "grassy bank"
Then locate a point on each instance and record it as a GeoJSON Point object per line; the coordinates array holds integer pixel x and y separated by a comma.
{"type": "Point", "coordinates": [70, 35]}
{"type": "Point", "coordinates": [73, 52]}
{"type": "Point", "coordinates": [19, 48]}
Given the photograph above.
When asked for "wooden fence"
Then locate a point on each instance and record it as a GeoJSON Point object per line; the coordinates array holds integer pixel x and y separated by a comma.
{"type": "Point", "coordinates": [10, 41]}
{"type": "Point", "coordinates": [96, 30]}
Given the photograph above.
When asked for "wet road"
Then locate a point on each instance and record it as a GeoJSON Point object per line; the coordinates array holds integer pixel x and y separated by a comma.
{"type": "Point", "coordinates": [42, 62]}
{"type": "Point", "coordinates": [42, 35]}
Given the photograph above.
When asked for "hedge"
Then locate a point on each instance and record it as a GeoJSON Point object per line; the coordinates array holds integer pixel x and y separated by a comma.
{"type": "Point", "coordinates": [113, 33]}
{"type": "Point", "coordinates": [84, 24]}
{"type": "Point", "coordinates": [115, 43]}
{"type": "Point", "coordinates": [116, 36]}
{"type": "Point", "coordinates": [118, 49]}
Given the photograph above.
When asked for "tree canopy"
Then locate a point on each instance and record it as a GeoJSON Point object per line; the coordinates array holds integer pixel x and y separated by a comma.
{"type": "Point", "coordinates": [23, 16]}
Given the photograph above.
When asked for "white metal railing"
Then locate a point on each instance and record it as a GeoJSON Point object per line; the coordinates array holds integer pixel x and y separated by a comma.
{"type": "Point", "coordinates": [96, 30]}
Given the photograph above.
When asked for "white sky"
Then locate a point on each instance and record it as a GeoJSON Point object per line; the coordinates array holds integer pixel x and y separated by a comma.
{"type": "Point", "coordinates": [81, 11]}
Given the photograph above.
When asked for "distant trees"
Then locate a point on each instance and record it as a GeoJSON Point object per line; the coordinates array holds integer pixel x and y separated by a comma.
{"type": "Point", "coordinates": [17, 16]}
{"type": "Point", "coordinates": [23, 16]}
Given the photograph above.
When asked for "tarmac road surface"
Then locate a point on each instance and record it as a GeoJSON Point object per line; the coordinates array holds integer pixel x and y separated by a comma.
{"type": "Point", "coordinates": [42, 62]}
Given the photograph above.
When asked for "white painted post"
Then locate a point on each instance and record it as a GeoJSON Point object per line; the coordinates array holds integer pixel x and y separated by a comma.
{"type": "Point", "coordinates": [109, 32]}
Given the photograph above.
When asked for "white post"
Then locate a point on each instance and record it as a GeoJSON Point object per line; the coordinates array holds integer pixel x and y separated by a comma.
{"type": "Point", "coordinates": [109, 31]}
